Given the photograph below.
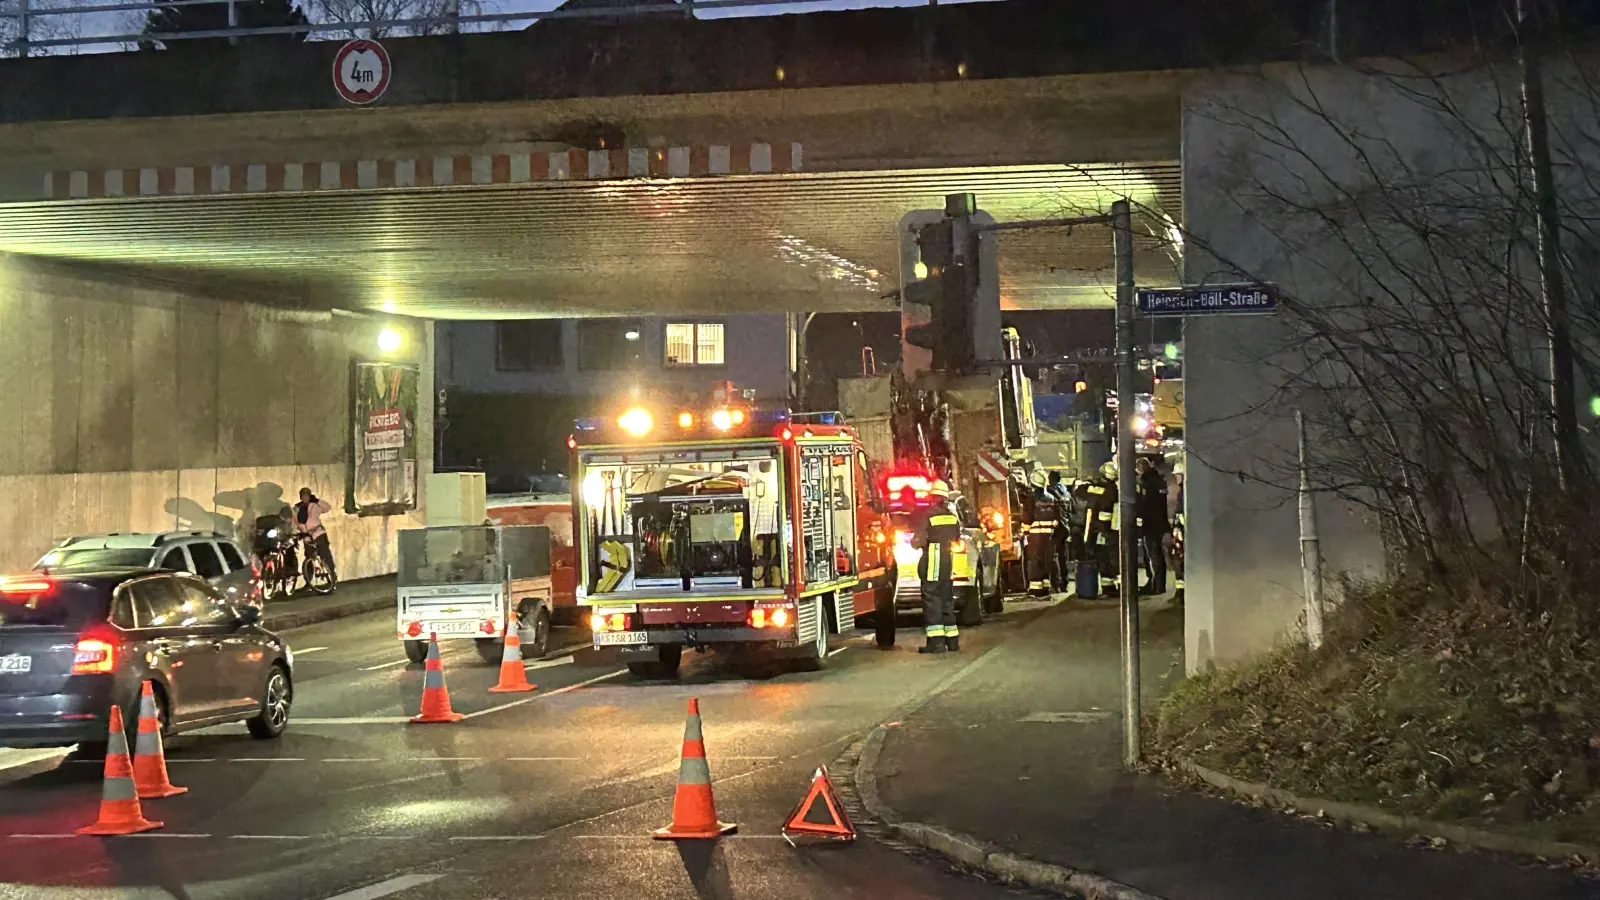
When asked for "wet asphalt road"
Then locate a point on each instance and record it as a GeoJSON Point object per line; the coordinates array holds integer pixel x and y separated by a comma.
{"type": "Point", "coordinates": [549, 794]}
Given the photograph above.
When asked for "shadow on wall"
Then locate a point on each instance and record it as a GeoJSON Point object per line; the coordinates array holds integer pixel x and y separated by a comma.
{"type": "Point", "coordinates": [189, 515]}
{"type": "Point", "coordinates": [264, 499]}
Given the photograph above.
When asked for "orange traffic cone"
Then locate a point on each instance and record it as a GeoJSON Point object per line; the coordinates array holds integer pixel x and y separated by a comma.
{"type": "Point", "coordinates": [435, 697]}
{"type": "Point", "coordinates": [119, 801]}
{"type": "Point", "coordinates": [694, 812]}
{"type": "Point", "coordinates": [149, 760]}
{"type": "Point", "coordinates": [820, 813]}
{"type": "Point", "coordinates": [513, 677]}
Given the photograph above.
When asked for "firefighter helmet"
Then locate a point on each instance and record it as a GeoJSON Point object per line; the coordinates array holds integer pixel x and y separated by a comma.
{"type": "Point", "coordinates": [1108, 470]}
{"type": "Point", "coordinates": [939, 489]}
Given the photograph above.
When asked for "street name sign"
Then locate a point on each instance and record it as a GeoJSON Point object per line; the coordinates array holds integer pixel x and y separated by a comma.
{"type": "Point", "coordinates": [1220, 299]}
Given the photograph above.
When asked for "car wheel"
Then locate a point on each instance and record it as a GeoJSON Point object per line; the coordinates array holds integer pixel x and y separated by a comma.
{"type": "Point", "coordinates": [539, 644]}
{"type": "Point", "coordinates": [969, 610]}
{"type": "Point", "coordinates": [883, 617]}
{"type": "Point", "coordinates": [417, 651]}
{"type": "Point", "coordinates": [994, 600]}
{"type": "Point", "coordinates": [277, 695]}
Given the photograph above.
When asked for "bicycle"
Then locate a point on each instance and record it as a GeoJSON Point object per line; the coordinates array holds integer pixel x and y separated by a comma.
{"type": "Point", "coordinates": [279, 578]}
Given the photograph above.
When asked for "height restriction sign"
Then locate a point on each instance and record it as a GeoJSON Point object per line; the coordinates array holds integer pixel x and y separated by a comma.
{"type": "Point", "coordinates": [361, 71]}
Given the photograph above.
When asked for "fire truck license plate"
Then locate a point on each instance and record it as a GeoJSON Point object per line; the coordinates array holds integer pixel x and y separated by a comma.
{"type": "Point", "coordinates": [450, 627]}
{"type": "Point", "coordinates": [621, 637]}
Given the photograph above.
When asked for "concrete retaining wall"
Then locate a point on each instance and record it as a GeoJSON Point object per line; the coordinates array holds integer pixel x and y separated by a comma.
{"type": "Point", "coordinates": [133, 405]}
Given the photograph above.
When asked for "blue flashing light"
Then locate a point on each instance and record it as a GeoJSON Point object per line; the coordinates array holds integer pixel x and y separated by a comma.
{"type": "Point", "coordinates": [769, 416]}
{"type": "Point", "coordinates": [588, 424]}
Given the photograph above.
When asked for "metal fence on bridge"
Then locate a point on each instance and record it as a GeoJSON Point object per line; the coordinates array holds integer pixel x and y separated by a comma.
{"type": "Point", "coordinates": [26, 25]}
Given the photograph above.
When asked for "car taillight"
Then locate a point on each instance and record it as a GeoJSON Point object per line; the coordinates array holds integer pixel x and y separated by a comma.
{"type": "Point", "coordinates": [25, 586]}
{"type": "Point", "coordinates": [599, 622]}
{"type": "Point", "coordinates": [94, 656]}
{"type": "Point", "coordinates": [767, 618]}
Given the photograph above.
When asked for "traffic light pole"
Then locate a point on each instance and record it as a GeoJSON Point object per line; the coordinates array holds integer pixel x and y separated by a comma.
{"type": "Point", "coordinates": [1127, 489]}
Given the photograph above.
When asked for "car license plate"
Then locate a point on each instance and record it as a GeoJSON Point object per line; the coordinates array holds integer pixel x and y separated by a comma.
{"type": "Point", "coordinates": [451, 627]}
{"type": "Point", "coordinates": [15, 664]}
{"type": "Point", "coordinates": [621, 637]}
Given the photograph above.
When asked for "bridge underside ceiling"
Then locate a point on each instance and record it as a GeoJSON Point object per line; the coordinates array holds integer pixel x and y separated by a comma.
{"type": "Point", "coordinates": [801, 242]}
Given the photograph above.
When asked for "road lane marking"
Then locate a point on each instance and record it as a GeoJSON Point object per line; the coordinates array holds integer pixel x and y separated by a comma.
{"type": "Point", "coordinates": [570, 648]}
{"type": "Point", "coordinates": [563, 690]}
{"type": "Point", "coordinates": [547, 663]}
{"type": "Point", "coordinates": [269, 837]}
{"type": "Point", "coordinates": [385, 888]}
{"type": "Point", "coordinates": [268, 759]}
{"type": "Point", "coordinates": [354, 759]}
{"type": "Point", "coordinates": [499, 837]}
{"type": "Point", "coordinates": [42, 837]}
{"type": "Point", "coordinates": [748, 758]}
{"type": "Point", "coordinates": [387, 665]}
{"type": "Point", "coordinates": [16, 759]}
{"type": "Point", "coordinates": [355, 720]}
{"type": "Point", "coordinates": [183, 759]}
{"type": "Point", "coordinates": [444, 759]}
{"type": "Point", "coordinates": [309, 650]}
{"type": "Point", "coordinates": [833, 653]}
{"type": "Point", "coordinates": [543, 759]}
{"type": "Point", "coordinates": [163, 834]}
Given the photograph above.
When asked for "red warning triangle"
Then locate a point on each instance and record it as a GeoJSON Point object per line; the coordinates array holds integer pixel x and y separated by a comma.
{"type": "Point", "coordinates": [821, 813]}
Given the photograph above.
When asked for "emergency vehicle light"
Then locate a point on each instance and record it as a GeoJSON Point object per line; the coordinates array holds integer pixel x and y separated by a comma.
{"type": "Point", "coordinates": [722, 419]}
{"type": "Point", "coordinates": [636, 421]}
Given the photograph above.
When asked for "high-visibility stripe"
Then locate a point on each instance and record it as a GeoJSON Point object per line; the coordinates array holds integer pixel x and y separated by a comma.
{"type": "Point", "coordinates": [934, 630]}
{"type": "Point", "coordinates": [1178, 584]}
{"type": "Point", "coordinates": [694, 770]}
{"type": "Point", "coordinates": [943, 519]}
{"type": "Point", "coordinates": [119, 788]}
{"type": "Point", "coordinates": [1105, 516]}
{"type": "Point", "coordinates": [935, 562]}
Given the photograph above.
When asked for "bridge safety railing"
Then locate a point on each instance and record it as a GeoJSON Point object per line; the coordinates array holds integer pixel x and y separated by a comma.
{"type": "Point", "coordinates": [40, 27]}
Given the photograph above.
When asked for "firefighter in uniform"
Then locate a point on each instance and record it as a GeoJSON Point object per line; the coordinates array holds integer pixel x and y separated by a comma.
{"type": "Point", "coordinates": [1100, 535]}
{"type": "Point", "coordinates": [936, 530]}
{"type": "Point", "coordinates": [1042, 576]}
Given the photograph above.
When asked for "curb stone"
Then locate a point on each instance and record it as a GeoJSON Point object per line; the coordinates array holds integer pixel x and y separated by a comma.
{"type": "Point", "coordinates": [301, 618]}
{"type": "Point", "coordinates": [970, 851]}
{"type": "Point", "coordinates": [1357, 814]}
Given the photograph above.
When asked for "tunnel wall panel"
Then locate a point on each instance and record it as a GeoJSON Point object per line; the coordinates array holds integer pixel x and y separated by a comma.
{"type": "Point", "coordinates": [141, 406]}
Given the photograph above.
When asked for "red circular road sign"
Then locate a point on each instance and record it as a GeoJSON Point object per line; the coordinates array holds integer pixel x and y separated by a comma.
{"type": "Point", "coordinates": [361, 71]}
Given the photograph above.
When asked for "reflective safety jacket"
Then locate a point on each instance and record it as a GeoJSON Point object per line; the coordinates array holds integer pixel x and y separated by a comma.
{"type": "Point", "coordinates": [935, 533]}
{"type": "Point", "coordinates": [1105, 514]}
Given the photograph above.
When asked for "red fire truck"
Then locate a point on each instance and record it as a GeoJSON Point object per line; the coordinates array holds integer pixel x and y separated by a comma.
{"type": "Point", "coordinates": [725, 528]}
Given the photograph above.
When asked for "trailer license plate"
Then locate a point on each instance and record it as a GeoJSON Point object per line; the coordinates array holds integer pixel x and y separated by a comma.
{"type": "Point", "coordinates": [621, 637]}
{"type": "Point", "coordinates": [451, 627]}
{"type": "Point", "coordinates": [16, 664]}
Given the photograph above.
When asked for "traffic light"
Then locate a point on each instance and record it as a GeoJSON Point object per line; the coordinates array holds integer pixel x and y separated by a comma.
{"type": "Point", "coordinates": [945, 285]}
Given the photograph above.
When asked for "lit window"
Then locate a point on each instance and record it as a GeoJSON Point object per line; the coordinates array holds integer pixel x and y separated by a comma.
{"type": "Point", "coordinates": [695, 344]}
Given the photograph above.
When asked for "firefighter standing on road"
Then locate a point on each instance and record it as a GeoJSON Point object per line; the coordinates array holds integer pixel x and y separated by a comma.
{"type": "Point", "coordinates": [936, 530]}
{"type": "Point", "coordinates": [1100, 535]}
{"type": "Point", "coordinates": [1042, 576]}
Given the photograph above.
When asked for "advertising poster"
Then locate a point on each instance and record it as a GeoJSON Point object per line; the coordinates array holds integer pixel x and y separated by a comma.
{"type": "Point", "coordinates": [384, 425]}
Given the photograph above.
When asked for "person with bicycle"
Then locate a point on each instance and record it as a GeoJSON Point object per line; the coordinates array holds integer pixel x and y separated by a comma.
{"type": "Point", "coordinates": [308, 515]}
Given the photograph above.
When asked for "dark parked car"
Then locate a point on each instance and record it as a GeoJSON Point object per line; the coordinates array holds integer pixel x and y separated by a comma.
{"type": "Point", "coordinates": [73, 644]}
